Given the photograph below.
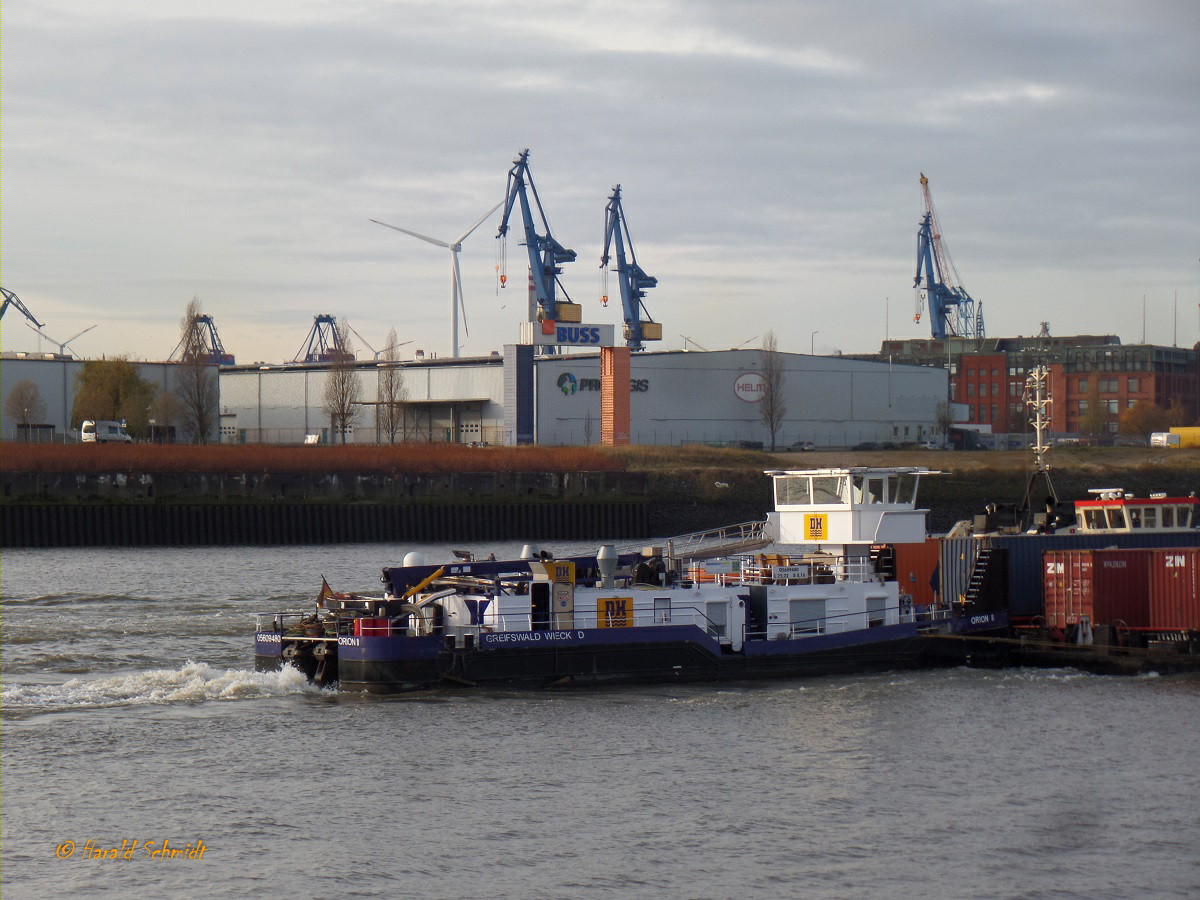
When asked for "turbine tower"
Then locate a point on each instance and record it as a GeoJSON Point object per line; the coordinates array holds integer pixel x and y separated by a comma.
{"type": "Point", "coordinates": [456, 292]}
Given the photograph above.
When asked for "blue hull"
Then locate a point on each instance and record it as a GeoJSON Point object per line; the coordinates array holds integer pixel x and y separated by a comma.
{"type": "Point", "coordinates": [663, 654]}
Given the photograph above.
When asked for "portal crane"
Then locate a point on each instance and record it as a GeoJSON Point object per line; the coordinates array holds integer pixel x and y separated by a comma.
{"type": "Point", "coordinates": [634, 281]}
{"type": "Point", "coordinates": [952, 311]}
{"type": "Point", "coordinates": [545, 253]}
{"type": "Point", "coordinates": [203, 332]}
{"type": "Point", "coordinates": [324, 343]}
{"type": "Point", "coordinates": [11, 299]}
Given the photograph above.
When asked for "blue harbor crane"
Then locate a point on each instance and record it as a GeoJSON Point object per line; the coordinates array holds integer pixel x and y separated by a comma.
{"type": "Point", "coordinates": [202, 340]}
{"type": "Point", "coordinates": [634, 281]}
{"type": "Point", "coordinates": [324, 343]}
{"type": "Point", "coordinates": [546, 255]}
{"type": "Point", "coordinates": [952, 311]}
{"type": "Point", "coordinates": [11, 299]}
{"type": "Point", "coordinates": [216, 350]}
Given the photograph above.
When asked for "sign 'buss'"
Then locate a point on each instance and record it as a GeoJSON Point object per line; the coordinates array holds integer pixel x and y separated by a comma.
{"type": "Point", "coordinates": [567, 334]}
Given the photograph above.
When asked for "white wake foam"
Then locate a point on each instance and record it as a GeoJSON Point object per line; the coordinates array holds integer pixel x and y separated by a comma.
{"type": "Point", "coordinates": [194, 682]}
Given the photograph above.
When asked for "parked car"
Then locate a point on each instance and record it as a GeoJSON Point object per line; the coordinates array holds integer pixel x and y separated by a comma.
{"type": "Point", "coordinates": [802, 447]}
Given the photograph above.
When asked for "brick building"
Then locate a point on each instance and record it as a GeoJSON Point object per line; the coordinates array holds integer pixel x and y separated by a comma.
{"type": "Point", "coordinates": [988, 377]}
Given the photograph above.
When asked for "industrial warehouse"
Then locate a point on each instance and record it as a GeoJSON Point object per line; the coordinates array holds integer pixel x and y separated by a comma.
{"type": "Point", "coordinates": [675, 397]}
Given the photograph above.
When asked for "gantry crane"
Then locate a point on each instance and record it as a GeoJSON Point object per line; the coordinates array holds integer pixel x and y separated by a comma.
{"type": "Point", "coordinates": [202, 342]}
{"type": "Point", "coordinates": [634, 281]}
{"type": "Point", "coordinates": [324, 343]}
{"type": "Point", "coordinates": [11, 299]}
{"type": "Point", "coordinates": [952, 311]}
{"type": "Point", "coordinates": [545, 253]}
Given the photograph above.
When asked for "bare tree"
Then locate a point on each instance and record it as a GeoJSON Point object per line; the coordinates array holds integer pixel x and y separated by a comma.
{"type": "Point", "coordinates": [772, 408]}
{"type": "Point", "coordinates": [1093, 418]}
{"type": "Point", "coordinates": [196, 384]}
{"type": "Point", "coordinates": [24, 405]}
{"type": "Point", "coordinates": [343, 389]}
{"type": "Point", "coordinates": [393, 394]}
{"type": "Point", "coordinates": [944, 418]}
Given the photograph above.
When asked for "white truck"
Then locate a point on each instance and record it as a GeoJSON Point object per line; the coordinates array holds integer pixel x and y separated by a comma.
{"type": "Point", "coordinates": [103, 432]}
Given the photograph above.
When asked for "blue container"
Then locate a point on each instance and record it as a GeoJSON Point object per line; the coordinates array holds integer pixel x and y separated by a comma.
{"type": "Point", "coordinates": [1025, 565]}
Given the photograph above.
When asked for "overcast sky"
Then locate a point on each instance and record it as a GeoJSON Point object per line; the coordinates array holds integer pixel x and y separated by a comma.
{"type": "Point", "coordinates": [768, 153]}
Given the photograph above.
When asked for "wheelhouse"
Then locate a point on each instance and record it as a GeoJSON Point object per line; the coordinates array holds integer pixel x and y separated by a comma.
{"type": "Point", "coordinates": [1111, 510]}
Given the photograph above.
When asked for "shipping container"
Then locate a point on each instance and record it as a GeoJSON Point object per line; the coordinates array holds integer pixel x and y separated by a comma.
{"type": "Point", "coordinates": [955, 564]}
{"type": "Point", "coordinates": [915, 564]}
{"type": "Point", "coordinates": [1174, 601]}
{"type": "Point", "coordinates": [1025, 557]}
{"type": "Point", "coordinates": [1107, 586]}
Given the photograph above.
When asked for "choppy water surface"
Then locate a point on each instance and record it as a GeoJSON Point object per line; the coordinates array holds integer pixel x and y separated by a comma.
{"type": "Point", "coordinates": [132, 712]}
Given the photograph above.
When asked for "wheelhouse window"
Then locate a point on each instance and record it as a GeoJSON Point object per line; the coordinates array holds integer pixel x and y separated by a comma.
{"type": "Point", "coordinates": [828, 489]}
{"type": "Point", "coordinates": [869, 489]}
{"type": "Point", "coordinates": [792, 491]}
{"type": "Point", "coordinates": [904, 489]}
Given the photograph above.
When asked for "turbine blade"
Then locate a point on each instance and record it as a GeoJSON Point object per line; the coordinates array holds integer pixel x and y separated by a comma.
{"type": "Point", "coordinates": [459, 293]}
{"type": "Point", "coordinates": [466, 234]}
{"type": "Point", "coordinates": [415, 234]}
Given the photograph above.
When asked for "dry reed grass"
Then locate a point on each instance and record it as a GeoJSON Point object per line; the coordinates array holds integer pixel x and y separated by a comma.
{"type": "Point", "coordinates": [423, 458]}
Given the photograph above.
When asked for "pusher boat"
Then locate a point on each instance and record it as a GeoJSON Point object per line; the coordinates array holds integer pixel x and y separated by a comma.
{"type": "Point", "coordinates": [710, 606]}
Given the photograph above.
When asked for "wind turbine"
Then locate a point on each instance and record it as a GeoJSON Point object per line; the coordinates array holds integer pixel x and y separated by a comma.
{"type": "Point", "coordinates": [456, 293]}
{"type": "Point", "coordinates": [377, 353]}
{"type": "Point", "coordinates": [62, 345]}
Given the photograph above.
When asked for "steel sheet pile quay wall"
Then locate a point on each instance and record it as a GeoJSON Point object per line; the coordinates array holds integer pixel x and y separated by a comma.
{"type": "Point", "coordinates": [1106, 586]}
{"type": "Point", "coordinates": [1175, 589]}
{"type": "Point", "coordinates": [144, 525]}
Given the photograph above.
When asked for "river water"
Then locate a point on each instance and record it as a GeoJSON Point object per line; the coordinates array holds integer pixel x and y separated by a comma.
{"type": "Point", "coordinates": [132, 713]}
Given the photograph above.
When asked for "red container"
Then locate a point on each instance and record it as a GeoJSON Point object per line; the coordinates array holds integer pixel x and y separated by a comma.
{"type": "Point", "coordinates": [372, 627]}
{"type": "Point", "coordinates": [914, 569]}
{"type": "Point", "coordinates": [1107, 586]}
{"type": "Point", "coordinates": [1174, 599]}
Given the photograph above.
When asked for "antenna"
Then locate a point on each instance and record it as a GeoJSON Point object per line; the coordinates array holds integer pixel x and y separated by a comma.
{"type": "Point", "coordinates": [456, 291]}
{"type": "Point", "coordinates": [1037, 398]}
